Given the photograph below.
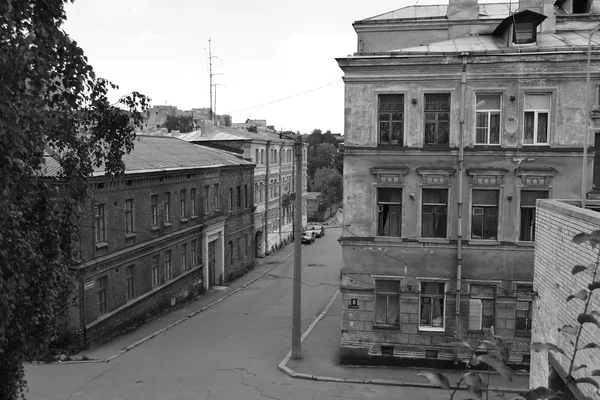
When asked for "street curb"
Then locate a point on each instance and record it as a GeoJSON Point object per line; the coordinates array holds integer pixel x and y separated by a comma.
{"type": "Point", "coordinates": [173, 324]}
{"type": "Point", "coordinates": [382, 382]}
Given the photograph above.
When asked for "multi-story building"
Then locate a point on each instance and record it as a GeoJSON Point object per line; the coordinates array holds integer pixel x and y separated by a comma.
{"type": "Point", "coordinates": [458, 118]}
{"type": "Point", "coordinates": [175, 224]}
{"type": "Point", "coordinates": [274, 180]}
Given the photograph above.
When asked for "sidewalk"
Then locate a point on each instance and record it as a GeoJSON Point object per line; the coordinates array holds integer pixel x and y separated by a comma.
{"type": "Point", "coordinates": [175, 316]}
{"type": "Point", "coordinates": [320, 361]}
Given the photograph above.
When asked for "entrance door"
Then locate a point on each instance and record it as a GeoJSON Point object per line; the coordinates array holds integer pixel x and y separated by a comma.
{"type": "Point", "coordinates": [258, 244]}
{"type": "Point", "coordinates": [212, 261]}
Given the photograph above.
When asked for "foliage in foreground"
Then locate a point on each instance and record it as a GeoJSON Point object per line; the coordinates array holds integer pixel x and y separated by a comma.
{"type": "Point", "coordinates": [51, 104]}
{"type": "Point", "coordinates": [497, 351]}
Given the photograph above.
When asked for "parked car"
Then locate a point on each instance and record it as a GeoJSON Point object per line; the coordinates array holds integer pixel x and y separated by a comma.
{"type": "Point", "coordinates": [307, 237]}
{"type": "Point", "coordinates": [318, 230]}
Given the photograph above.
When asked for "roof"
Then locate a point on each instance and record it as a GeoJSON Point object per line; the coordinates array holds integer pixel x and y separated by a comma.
{"type": "Point", "coordinates": [489, 43]}
{"type": "Point", "coordinates": [521, 16]}
{"type": "Point", "coordinates": [220, 133]}
{"type": "Point", "coordinates": [486, 11]}
{"type": "Point", "coordinates": [161, 154]}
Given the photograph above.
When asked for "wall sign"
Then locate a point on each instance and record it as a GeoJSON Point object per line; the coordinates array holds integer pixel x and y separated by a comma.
{"type": "Point", "coordinates": [88, 285]}
{"type": "Point", "coordinates": [353, 304]}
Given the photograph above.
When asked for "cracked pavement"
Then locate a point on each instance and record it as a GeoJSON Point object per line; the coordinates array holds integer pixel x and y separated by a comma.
{"type": "Point", "coordinates": [228, 352]}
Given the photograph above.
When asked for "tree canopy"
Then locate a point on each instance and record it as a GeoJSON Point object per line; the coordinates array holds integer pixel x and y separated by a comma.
{"type": "Point", "coordinates": [328, 181]}
{"type": "Point", "coordinates": [51, 105]}
{"type": "Point", "coordinates": [181, 123]}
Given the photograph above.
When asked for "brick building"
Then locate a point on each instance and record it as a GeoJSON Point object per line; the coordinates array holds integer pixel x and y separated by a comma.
{"type": "Point", "coordinates": [176, 223]}
{"type": "Point", "coordinates": [457, 118]}
{"type": "Point", "coordinates": [555, 256]}
{"type": "Point", "coordinates": [274, 177]}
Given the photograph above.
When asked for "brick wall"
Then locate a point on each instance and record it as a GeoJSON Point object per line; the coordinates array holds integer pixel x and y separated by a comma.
{"type": "Point", "coordinates": [555, 255]}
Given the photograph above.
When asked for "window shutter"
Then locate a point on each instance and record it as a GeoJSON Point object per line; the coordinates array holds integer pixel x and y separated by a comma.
{"type": "Point", "coordinates": [475, 310]}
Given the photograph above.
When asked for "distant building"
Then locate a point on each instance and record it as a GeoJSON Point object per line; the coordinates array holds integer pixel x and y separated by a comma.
{"type": "Point", "coordinates": [274, 180]}
{"type": "Point", "coordinates": [458, 118]}
{"type": "Point", "coordinates": [178, 222]}
{"type": "Point", "coordinates": [553, 282]}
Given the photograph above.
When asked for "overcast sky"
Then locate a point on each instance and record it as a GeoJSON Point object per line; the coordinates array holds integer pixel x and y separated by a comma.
{"type": "Point", "coordinates": [268, 50]}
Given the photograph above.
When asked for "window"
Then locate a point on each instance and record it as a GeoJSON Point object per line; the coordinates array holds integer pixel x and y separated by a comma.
{"type": "Point", "coordinates": [481, 307]}
{"type": "Point", "coordinates": [100, 222]}
{"type": "Point", "coordinates": [184, 264]}
{"type": "Point", "coordinates": [581, 6]}
{"type": "Point", "coordinates": [102, 287]}
{"type": "Point", "coordinates": [484, 218]}
{"type": "Point", "coordinates": [432, 302]}
{"type": "Point", "coordinates": [435, 209]}
{"type": "Point", "coordinates": [206, 199]}
{"type": "Point", "coordinates": [230, 252]}
{"type": "Point", "coordinates": [524, 310]}
{"type": "Point", "coordinates": [193, 201]}
{"type": "Point", "coordinates": [230, 199]}
{"type": "Point", "coordinates": [129, 278]}
{"type": "Point", "coordinates": [262, 191]}
{"type": "Point", "coordinates": [528, 198]}
{"type": "Point", "coordinates": [247, 244]}
{"type": "Point", "coordinates": [182, 195]}
{"type": "Point", "coordinates": [194, 245]}
{"type": "Point", "coordinates": [155, 272]}
{"type": "Point", "coordinates": [437, 118]}
{"type": "Point", "coordinates": [391, 119]}
{"type": "Point", "coordinates": [129, 227]}
{"type": "Point", "coordinates": [537, 117]}
{"type": "Point", "coordinates": [262, 156]}
{"type": "Point", "coordinates": [246, 196]}
{"type": "Point", "coordinates": [524, 32]}
{"type": "Point", "coordinates": [389, 212]}
{"type": "Point", "coordinates": [168, 265]}
{"type": "Point", "coordinates": [387, 304]}
{"type": "Point", "coordinates": [256, 160]}
{"type": "Point", "coordinates": [487, 119]}
{"type": "Point", "coordinates": [216, 196]}
{"type": "Point", "coordinates": [167, 207]}
{"type": "Point", "coordinates": [238, 193]}
{"type": "Point", "coordinates": [154, 209]}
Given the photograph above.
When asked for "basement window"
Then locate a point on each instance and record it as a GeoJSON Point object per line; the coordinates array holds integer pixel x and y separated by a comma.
{"type": "Point", "coordinates": [524, 33]}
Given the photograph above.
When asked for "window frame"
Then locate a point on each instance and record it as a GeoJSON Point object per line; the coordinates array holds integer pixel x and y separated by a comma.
{"type": "Point", "coordinates": [155, 268]}
{"type": "Point", "coordinates": [431, 328]}
{"type": "Point", "coordinates": [130, 279]}
{"type": "Point", "coordinates": [168, 265]}
{"type": "Point", "coordinates": [182, 205]}
{"type": "Point", "coordinates": [167, 208]}
{"type": "Point", "coordinates": [536, 113]}
{"type": "Point", "coordinates": [194, 251]}
{"type": "Point", "coordinates": [183, 257]}
{"type": "Point", "coordinates": [482, 298]}
{"type": "Point", "coordinates": [129, 218]}
{"type": "Point", "coordinates": [102, 295]}
{"type": "Point", "coordinates": [193, 201]}
{"type": "Point", "coordinates": [528, 310]}
{"type": "Point", "coordinates": [526, 189]}
{"type": "Point", "coordinates": [488, 112]}
{"type": "Point", "coordinates": [154, 209]}
{"type": "Point", "coordinates": [231, 199]}
{"type": "Point", "coordinates": [100, 235]}
{"type": "Point", "coordinates": [532, 29]}
{"type": "Point", "coordinates": [423, 204]}
{"type": "Point", "coordinates": [379, 210]}
{"type": "Point", "coordinates": [391, 121]}
{"type": "Point", "coordinates": [436, 120]}
{"type": "Point", "coordinates": [387, 294]}
{"type": "Point", "coordinates": [485, 206]}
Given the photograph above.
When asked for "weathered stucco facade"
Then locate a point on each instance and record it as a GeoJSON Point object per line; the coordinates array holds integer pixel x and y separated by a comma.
{"type": "Point", "coordinates": [447, 146]}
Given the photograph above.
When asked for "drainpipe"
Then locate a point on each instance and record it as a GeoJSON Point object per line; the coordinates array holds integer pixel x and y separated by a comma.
{"type": "Point", "coordinates": [266, 223]}
{"type": "Point", "coordinates": [586, 113]}
{"type": "Point", "coordinates": [459, 220]}
{"type": "Point", "coordinates": [279, 162]}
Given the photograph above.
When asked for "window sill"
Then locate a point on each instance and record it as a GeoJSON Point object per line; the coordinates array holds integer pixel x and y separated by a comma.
{"type": "Point", "coordinates": [484, 242]}
{"type": "Point", "coordinates": [130, 235]}
{"type": "Point", "coordinates": [167, 224]}
{"type": "Point", "coordinates": [101, 245]}
{"type": "Point", "coordinates": [193, 217]}
{"type": "Point", "coordinates": [386, 327]}
{"type": "Point", "coordinates": [387, 239]}
{"type": "Point", "coordinates": [434, 240]}
{"type": "Point", "coordinates": [526, 244]}
{"type": "Point", "coordinates": [431, 329]}
{"type": "Point", "coordinates": [183, 220]}
{"type": "Point", "coordinates": [155, 228]}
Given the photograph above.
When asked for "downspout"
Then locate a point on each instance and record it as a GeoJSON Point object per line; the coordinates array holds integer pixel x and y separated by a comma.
{"type": "Point", "coordinates": [279, 162]}
{"type": "Point", "coordinates": [266, 222]}
{"type": "Point", "coordinates": [459, 220]}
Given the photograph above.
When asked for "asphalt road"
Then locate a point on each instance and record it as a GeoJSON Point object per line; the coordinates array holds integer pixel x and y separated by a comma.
{"type": "Point", "coordinates": [229, 352]}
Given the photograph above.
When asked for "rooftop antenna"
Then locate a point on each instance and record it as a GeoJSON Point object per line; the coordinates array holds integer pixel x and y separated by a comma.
{"type": "Point", "coordinates": [210, 73]}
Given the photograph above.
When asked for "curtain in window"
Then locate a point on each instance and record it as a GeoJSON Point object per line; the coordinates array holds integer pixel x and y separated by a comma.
{"type": "Point", "coordinates": [435, 306]}
{"type": "Point", "coordinates": [495, 128]}
{"type": "Point", "coordinates": [529, 126]}
{"type": "Point", "coordinates": [387, 301]}
{"type": "Point", "coordinates": [542, 131]}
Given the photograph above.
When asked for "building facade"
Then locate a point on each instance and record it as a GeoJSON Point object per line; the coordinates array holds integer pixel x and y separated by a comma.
{"type": "Point", "coordinates": [178, 222]}
{"type": "Point", "coordinates": [458, 118]}
{"type": "Point", "coordinates": [553, 282]}
{"type": "Point", "coordinates": [274, 180]}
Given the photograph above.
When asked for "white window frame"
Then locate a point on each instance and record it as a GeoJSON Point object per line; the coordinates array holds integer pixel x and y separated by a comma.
{"type": "Point", "coordinates": [480, 299]}
{"type": "Point", "coordinates": [488, 112]}
{"type": "Point", "coordinates": [536, 119]}
{"type": "Point", "coordinates": [425, 328]}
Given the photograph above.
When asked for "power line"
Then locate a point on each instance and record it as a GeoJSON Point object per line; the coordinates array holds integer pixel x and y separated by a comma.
{"type": "Point", "coordinates": [285, 98]}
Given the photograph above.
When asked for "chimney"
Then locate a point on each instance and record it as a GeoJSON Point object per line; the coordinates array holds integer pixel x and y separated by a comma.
{"type": "Point", "coordinates": [549, 10]}
{"type": "Point", "coordinates": [462, 10]}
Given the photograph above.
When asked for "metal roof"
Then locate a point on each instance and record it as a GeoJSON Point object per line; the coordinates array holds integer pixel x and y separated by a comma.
{"type": "Point", "coordinates": [161, 154]}
{"type": "Point", "coordinates": [489, 43]}
{"type": "Point", "coordinates": [486, 11]}
{"type": "Point", "coordinates": [227, 134]}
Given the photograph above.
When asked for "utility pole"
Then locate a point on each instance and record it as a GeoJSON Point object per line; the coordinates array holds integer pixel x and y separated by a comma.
{"type": "Point", "coordinates": [210, 112]}
{"type": "Point", "coordinates": [297, 295]}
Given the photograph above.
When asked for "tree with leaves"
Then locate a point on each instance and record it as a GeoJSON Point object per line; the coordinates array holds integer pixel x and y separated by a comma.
{"type": "Point", "coordinates": [181, 123]}
{"type": "Point", "coordinates": [51, 105]}
{"type": "Point", "coordinates": [329, 182]}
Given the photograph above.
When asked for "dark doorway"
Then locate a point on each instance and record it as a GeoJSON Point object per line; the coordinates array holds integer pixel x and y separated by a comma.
{"type": "Point", "coordinates": [211, 263]}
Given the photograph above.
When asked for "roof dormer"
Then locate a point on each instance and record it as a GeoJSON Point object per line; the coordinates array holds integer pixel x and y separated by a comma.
{"type": "Point", "coordinates": [520, 28]}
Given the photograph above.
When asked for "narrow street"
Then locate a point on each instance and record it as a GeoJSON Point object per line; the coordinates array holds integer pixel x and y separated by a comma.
{"type": "Point", "coordinates": [229, 352]}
